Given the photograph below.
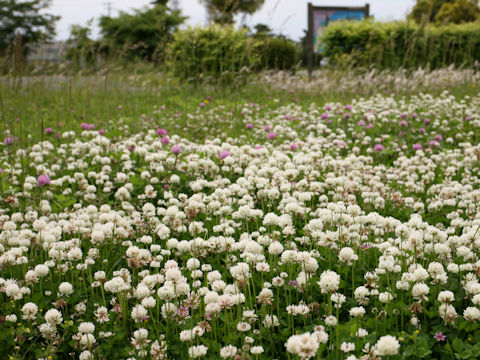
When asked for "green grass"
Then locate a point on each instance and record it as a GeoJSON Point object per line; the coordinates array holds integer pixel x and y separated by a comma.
{"type": "Point", "coordinates": [29, 105]}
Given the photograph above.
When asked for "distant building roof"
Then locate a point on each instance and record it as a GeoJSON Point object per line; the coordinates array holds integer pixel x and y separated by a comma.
{"type": "Point", "coordinates": [53, 51]}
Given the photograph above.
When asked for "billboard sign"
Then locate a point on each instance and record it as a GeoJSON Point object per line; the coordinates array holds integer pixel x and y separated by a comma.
{"type": "Point", "coordinates": [320, 16]}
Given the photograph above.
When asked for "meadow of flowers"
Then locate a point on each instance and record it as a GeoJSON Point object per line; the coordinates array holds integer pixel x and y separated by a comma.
{"type": "Point", "coordinates": [346, 231]}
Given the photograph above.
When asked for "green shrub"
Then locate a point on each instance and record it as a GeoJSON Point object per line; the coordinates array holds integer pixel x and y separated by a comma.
{"type": "Point", "coordinates": [277, 53]}
{"type": "Point", "coordinates": [214, 52]}
{"type": "Point", "coordinates": [401, 44]}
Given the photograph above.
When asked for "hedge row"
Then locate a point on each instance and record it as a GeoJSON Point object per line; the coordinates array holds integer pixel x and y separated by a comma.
{"type": "Point", "coordinates": [224, 52]}
{"type": "Point", "coordinates": [401, 44]}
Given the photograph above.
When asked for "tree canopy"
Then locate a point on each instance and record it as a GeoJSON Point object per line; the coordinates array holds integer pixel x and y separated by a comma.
{"type": "Point", "coordinates": [143, 33]}
{"type": "Point", "coordinates": [445, 11]}
{"type": "Point", "coordinates": [223, 11]}
{"type": "Point", "coordinates": [27, 19]}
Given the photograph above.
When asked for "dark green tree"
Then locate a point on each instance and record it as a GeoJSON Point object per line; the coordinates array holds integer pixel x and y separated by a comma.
{"type": "Point", "coordinates": [262, 29]}
{"type": "Point", "coordinates": [144, 33]}
{"type": "Point", "coordinates": [174, 4]}
{"type": "Point", "coordinates": [223, 11]}
{"type": "Point", "coordinates": [460, 11]}
{"type": "Point", "coordinates": [25, 18]}
{"type": "Point", "coordinates": [445, 11]}
{"type": "Point", "coordinates": [159, 2]}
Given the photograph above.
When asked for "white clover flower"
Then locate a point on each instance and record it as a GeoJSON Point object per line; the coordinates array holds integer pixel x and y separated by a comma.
{"type": "Point", "coordinates": [275, 248]}
{"type": "Point", "coordinates": [140, 338]}
{"type": "Point", "coordinates": [347, 347]}
{"type": "Point", "coordinates": [453, 268]}
{"type": "Point", "coordinates": [256, 350]}
{"type": "Point", "coordinates": [149, 302]}
{"type": "Point", "coordinates": [338, 299]}
{"type": "Point", "coordinates": [471, 314]}
{"type": "Point", "coordinates": [270, 321]}
{"type": "Point", "coordinates": [65, 289]}
{"type": "Point", "coordinates": [186, 335]}
{"type": "Point", "coordinates": [13, 291]}
{"type": "Point", "coordinates": [385, 297]}
{"type": "Point", "coordinates": [361, 294]}
{"type": "Point", "coordinates": [322, 336]}
{"type": "Point", "coordinates": [168, 309]}
{"type": "Point", "coordinates": [193, 264]}
{"type": "Point", "coordinates": [101, 314]}
{"type": "Point", "coordinates": [86, 355]}
{"type": "Point", "coordinates": [447, 312]}
{"type": "Point", "coordinates": [117, 284]}
{"type": "Point", "coordinates": [138, 313]}
{"type": "Point", "coordinates": [420, 290]}
{"type": "Point", "coordinates": [47, 330]}
{"type": "Point", "coordinates": [29, 311]}
{"type": "Point", "coordinates": [197, 351]}
{"type": "Point", "coordinates": [331, 320]}
{"type": "Point", "coordinates": [475, 299]}
{"type": "Point", "coordinates": [142, 291]}
{"type": "Point", "coordinates": [53, 317]}
{"type": "Point", "coordinates": [31, 277]}
{"type": "Point", "coordinates": [361, 333]}
{"type": "Point", "coordinates": [446, 296]}
{"type": "Point", "coordinates": [11, 318]}
{"type": "Point", "coordinates": [86, 328]}
{"type": "Point", "coordinates": [305, 346]}
{"type": "Point", "coordinates": [243, 326]}
{"type": "Point", "coordinates": [357, 311]}
{"type": "Point", "coordinates": [228, 352]}
{"type": "Point", "coordinates": [387, 345]}
{"type": "Point", "coordinates": [329, 281]}
{"type": "Point", "coordinates": [240, 271]}
{"type": "Point", "coordinates": [277, 281]}
{"type": "Point", "coordinates": [347, 255]}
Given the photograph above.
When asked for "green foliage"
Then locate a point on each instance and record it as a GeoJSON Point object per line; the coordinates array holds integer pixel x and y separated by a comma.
{"type": "Point", "coordinates": [465, 351]}
{"type": "Point", "coordinates": [212, 52]}
{"type": "Point", "coordinates": [445, 11]}
{"type": "Point", "coordinates": [81, 46]}
{"type": "Point", "coordinates": [460, 11]}
{"type": "Point", "coordinates": [219, 52]}
{"type": "Point", "coordinates": [26, 18]}
{"type": "Point", "coordinates": [424, 11]}
{"type": "Point", "coordinates": [223, 11]}
{"type": "Point", "coordinates": [208, 52]}
{"type": "Point", "coordinates": [262, 29]}
{"type": "Point", "coordinates": [401, 44]}
{"type": "Point", "coordinates": [144, 34]}
{"type": "Point", "coordinates": [277, 53]}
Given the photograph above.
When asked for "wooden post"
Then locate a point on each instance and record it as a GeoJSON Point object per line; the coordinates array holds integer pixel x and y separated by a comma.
{"type": "Point", "coordinates": [310, 38]}
{"type": "Point", "coordinates": [18, 54]}
{"type": "Point", "coordinates": [367, 11]}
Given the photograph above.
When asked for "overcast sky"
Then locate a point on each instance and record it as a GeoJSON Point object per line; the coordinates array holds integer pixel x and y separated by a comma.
{"type": "Point", "coordinates": [288, 17]}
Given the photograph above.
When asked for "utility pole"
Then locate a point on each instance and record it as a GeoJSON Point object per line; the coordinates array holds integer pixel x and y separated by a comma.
{"type": "Point", "coordinates": [175, 5]}
{"type": "Point", "coordinates": [108, 5]}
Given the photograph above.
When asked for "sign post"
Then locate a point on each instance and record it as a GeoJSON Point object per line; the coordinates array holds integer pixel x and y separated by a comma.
{"type": "Point", "coordinates": [318, 19]}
